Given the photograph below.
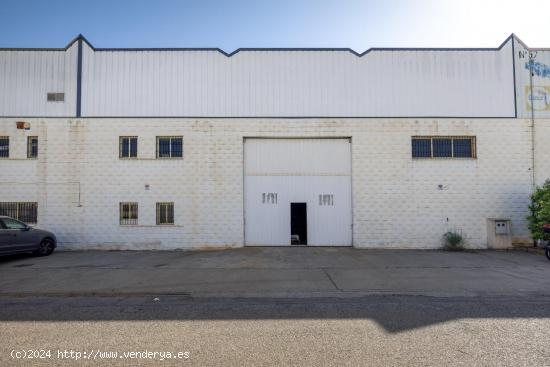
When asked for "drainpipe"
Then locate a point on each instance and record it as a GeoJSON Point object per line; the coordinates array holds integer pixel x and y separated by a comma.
{"type": "Point", "coordinates": [531, 61]}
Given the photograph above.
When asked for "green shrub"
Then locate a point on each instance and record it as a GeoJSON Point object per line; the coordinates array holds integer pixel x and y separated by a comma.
{"type": "Point", "coordinates": [453, 241]}
{"type": "Point", "coordinates": [540, 211]}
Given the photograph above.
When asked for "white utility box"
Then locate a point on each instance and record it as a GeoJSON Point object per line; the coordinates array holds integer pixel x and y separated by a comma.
{"type": "Point", "coordinates": [499, 233]}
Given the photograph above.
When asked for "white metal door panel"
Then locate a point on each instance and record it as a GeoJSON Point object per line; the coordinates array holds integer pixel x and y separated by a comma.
{"type": "Point", "coordinates": [313, 171]}
{"type": "Point", "coordinates": [299, 157]}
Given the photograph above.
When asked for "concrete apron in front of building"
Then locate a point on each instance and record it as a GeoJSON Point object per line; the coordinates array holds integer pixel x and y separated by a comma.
{"type": "Point", "coordinates": [278, 272]}
{"type": "Point", "coordinates": [382, 197]}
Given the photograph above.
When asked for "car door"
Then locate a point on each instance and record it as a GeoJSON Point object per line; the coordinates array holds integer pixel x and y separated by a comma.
{"type": "Point", "coordinates": [7, 239]}
{"type": "Point", "coordinates": [22, 238]}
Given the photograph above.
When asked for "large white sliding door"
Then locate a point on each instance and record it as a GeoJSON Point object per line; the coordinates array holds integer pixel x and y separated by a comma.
{"type": "Point", "coordinates": [314, 174]}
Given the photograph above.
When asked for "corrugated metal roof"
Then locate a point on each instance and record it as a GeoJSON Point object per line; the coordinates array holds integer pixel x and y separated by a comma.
{"type": "Point", "coordinates": [257, 82]}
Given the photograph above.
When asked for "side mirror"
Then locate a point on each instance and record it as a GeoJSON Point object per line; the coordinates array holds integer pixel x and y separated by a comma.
{"type": "Point", "coordinates": [26, 228]}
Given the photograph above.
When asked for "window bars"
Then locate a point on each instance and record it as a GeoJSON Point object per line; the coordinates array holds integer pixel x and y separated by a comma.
{"type": "Point", "coordinates": [23, 211]}
{"type": "Point", "coordinates": [165, 213]}
{"type": "Point", "coordinates": [32, 147]}
{"type": "Point", "coordinates": [4, 147]}
{"type": "Point", "coordinates": [444, 147]}
{"type": "Point", "coordinates": [128, 147]}
{"type": "Point", "coordinates": [169, 147]}
{"type": "Point", "coordinates": [128, 213]}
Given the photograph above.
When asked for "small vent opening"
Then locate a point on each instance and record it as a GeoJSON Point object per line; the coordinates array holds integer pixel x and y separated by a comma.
{"type": "Point", "coordinates": [56, 97]}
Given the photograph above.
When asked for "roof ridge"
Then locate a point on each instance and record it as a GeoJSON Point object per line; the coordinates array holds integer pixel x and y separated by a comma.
{"type": "Point", "coordinates": [81, 37]}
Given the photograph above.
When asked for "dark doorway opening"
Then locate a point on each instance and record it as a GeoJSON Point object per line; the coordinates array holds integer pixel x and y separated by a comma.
{"type": "Point", "coordinates": [298, 223]}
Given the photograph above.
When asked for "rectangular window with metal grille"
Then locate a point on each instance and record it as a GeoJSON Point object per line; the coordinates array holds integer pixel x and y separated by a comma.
{"type": "Point", "coordinates": [169, 147]}
{"type": "Point", "coordinates": [444, 147]}
{"type": "Point", "coordinates": [165, 213]}
{"type": "Point", "coordinates": [23, 211]}
{"type": "Point", "coordinates": [422, 148]}
{"type": "Point", "coordinates": [4, 147]}
{"type": "Point", "coordinates": [128, 213]}
{"type": "Point", "coordinates": [32, 147]}
{"type": "Point", "coordinates": [128, 147]}
{"type": "Point", "coordinates": [463, 148]}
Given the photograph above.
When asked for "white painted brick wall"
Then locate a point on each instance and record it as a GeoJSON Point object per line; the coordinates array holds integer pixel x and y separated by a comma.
{"type": "Point", "coordinates": [542, 150]}
{"type": "Point", "coordinates": [396, 200]}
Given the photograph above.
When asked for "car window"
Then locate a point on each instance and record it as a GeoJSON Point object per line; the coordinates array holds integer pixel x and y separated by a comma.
{"type": "Point", "coordinates": [13, 224]}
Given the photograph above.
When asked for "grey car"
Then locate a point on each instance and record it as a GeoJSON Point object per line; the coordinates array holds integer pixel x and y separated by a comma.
{"type": "Point", "coordinates": [17, 237]}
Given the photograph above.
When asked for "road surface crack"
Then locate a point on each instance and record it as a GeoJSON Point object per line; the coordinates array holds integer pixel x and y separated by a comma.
{"type": "Point", "coordinates": [331, 280]}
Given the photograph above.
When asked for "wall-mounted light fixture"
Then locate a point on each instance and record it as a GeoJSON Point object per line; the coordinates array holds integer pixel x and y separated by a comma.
{"type": "Point", "coordinates": [23, 125]}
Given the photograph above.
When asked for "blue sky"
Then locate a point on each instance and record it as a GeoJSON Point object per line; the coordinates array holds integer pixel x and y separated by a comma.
{"type": "Point", "coordinates": [278, 23]}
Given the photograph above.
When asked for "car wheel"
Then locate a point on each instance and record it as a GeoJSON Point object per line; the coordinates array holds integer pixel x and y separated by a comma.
{"type": "Point", "coordinates": [547, 252]}
{"type": "Point", "coordinates": [46, 248]}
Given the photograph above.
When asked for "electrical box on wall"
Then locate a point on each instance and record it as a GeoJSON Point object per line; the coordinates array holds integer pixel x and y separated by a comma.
{"type": "Point", "coordinates": [499, 234]}
{"type": "Point", "coordinates": [501, 227]}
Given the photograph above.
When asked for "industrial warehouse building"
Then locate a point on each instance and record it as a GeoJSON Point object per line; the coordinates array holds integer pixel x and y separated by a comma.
{"type": "Point", "coordinates": [194, 148]}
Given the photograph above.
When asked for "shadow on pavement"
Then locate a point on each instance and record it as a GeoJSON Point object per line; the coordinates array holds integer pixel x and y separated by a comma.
{"type": "Point", "coordinates": [393, 313]}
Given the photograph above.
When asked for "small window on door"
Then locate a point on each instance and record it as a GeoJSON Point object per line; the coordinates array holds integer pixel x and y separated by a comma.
{"type": "Point", "coordinates": [269, 198]}
{"type": "Point", "coordinates": [326, 199]}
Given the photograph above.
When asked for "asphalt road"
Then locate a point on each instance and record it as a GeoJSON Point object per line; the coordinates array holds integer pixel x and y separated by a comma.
{"type": "Point", "coordinates": [374, 330]}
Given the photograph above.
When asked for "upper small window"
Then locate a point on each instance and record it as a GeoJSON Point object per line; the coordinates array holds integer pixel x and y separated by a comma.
{"type": "Point", "coordinates": [443, 147]}
{"type": "Point", "coordinates": [56, 97]}
{"type": "Point", "coordinates": [463, 147]}
{"type": "Point", "coordinates": [128, 147]}
{"type": "Point", "coordinates": [4, 147]}
{"type": "Point", "coordinates": [422, 148]}
{"type": "Point", "coordinates": [169, 147]}
{"type": "Point", "coordinates": [32, 147]}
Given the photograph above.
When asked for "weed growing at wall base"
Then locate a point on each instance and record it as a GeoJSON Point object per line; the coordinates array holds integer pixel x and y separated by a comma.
{"type": "Point", "coordinates": [453, 241]}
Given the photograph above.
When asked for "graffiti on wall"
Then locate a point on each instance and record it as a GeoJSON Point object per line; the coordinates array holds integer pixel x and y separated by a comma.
{"type": "Point", "coordinates": [540, 98]}
{"type": "Point", "coordinates": [539, 69]}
